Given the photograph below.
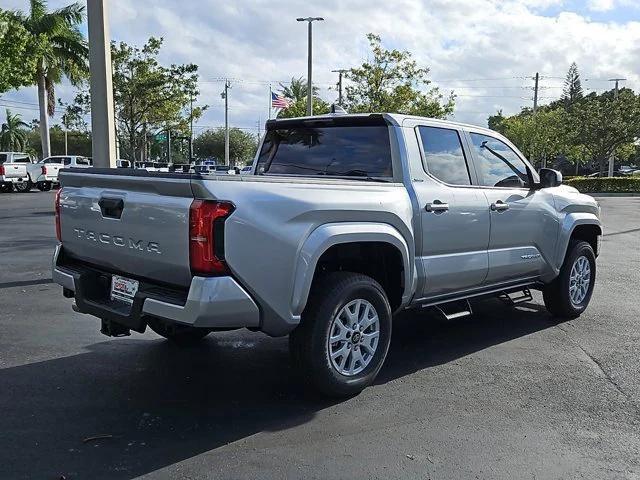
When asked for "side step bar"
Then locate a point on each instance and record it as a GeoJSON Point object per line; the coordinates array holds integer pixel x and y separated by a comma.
{"type": "Point", "coordinates": [453, 310]}
{"type": "Point", "coordinates": [514, 298]}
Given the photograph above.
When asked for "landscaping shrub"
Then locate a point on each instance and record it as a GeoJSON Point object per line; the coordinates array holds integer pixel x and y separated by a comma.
{"type": "Point", "coordinates": [605, 184]}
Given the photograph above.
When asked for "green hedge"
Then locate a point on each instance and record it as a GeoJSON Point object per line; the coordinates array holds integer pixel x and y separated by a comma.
{"type": "Point", "coordinates": [605, 184]}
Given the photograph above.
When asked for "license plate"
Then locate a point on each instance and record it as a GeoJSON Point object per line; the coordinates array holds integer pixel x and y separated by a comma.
{"type": "Point", "coordinates": [123, 289]}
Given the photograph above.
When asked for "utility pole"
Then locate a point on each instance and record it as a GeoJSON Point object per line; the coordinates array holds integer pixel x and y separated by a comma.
{"type": "Point", "coordinates": [191, 129]}
{"type": "Point", "coordinates": [612, 158]}
{"type": "Point", "coordinates": [310, 21]}
{"type": "Point", "coordinates": [535, 93]}
{"type": "Point", "coordinates": [340, 71]}
{"type": "Point", "coordinates": [225, 95]}
{"type": "Point", "coordinates": [103, 130]}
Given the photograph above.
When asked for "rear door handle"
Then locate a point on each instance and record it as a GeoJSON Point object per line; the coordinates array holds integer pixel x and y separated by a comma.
{"type": "Point", "coordinates": [499, 206]}
{"type": "Point", "coordinates": [436, 206]}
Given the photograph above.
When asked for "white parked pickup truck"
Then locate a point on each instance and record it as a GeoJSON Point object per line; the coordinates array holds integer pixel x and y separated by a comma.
{"type": "Point", "coordinates": [50, 166]}
{"type": "Point", "coordinates": [14, 171]}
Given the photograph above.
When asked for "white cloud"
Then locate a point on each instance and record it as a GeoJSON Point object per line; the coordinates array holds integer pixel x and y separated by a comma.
{"type": "Point", "coordinates": [463, 41]}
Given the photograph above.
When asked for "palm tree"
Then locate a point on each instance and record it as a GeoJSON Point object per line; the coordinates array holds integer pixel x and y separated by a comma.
{"type": "Point", "coordinates": [13, 136]}
{"type": "Point", "coordinates": [297, 90]}
{"type": "Point", "coordinates": [62, 51]}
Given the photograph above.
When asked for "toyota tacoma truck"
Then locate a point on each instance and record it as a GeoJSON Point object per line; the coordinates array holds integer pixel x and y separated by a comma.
{"type": "Point", "coordinates": [15, 171]}
{"type": "Point", "coordinates": [343, 221]}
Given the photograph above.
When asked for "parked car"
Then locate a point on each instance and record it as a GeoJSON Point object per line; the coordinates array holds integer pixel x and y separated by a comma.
{"type": "Point", "coordinates": [246, 170]}
{"type": "Point", "coordinates": [16, 170]}
{"type": "Point", "coordinates": [327, 239]}
{"type": "Point", "coordinates": [50, 167]}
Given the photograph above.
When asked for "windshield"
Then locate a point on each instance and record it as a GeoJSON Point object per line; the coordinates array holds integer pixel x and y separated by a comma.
{"type": "Point", "coordinates": [347, 151]}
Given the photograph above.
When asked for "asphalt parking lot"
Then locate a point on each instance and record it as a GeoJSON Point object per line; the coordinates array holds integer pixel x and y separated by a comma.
{"type": "Point", "coordinates": [508, 393]}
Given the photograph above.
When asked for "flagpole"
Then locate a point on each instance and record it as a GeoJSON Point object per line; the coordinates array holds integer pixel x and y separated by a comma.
{"type": "Point", "coordinates": [270, 100]}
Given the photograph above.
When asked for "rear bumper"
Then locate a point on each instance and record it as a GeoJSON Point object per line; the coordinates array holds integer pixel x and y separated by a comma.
{"type": "Point", "coordinates": [12, 180]}
{"type": "Point", "coordinates": [209, 302]}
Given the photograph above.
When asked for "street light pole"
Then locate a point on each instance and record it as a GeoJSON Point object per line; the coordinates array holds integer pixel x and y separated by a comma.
{"type": "Point", "coordinates": [310, 21]}
{"type": "Point", "coordinates": [225, 95]}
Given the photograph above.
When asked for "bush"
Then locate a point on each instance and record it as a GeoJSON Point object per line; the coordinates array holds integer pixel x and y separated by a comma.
{"type": "Point", "coordinates": [605, 184]}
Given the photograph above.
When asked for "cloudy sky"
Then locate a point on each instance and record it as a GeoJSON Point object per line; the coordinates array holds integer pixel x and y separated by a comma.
{"type": "Point", "coordinates": [486, 51]}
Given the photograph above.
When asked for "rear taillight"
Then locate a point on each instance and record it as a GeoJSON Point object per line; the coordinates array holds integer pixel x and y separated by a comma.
{"type": "Point", "coordinates": [44, 170]}
{"type": "Point", "coordinates": [206, 236]}
{"type": "Point", "coordinates": [1, 169]}
{"type": "Point", "coordinates": [57, 215]}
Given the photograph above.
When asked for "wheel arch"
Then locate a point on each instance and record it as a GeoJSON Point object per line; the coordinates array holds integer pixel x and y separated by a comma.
{"type": "Point", "coordinates": [580, 226]}
{"type": "Point", "coordinates": [328, 243]}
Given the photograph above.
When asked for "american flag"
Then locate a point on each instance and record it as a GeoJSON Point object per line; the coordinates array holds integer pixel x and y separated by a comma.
{"type": "Point", "coordinates": [278, 101]}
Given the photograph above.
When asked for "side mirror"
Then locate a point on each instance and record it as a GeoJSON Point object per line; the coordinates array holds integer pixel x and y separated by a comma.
{"type": "Point", "coordinates": [550, 178]}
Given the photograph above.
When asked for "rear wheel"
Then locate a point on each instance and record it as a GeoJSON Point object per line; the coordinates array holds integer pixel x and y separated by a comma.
{"type": "Point", "coordinates": [343, 338]}
{"type": "Point", "coordinates": [23, 187]}
{"type": "Point", "coordinates": [43, 186]}
{"type": "Point", "coordinates": [179, 334]}
{"type": "Point", "coordinates": [6, 188]}
{"type": "Point", "coordinates": [568, 295]}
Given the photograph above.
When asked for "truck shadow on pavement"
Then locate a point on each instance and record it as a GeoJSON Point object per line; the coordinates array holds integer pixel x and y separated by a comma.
{"type": "Point", "coordinates": [159, 404]}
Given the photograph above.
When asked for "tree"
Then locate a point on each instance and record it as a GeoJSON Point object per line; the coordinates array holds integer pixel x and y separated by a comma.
{"type": "Point", "coordinates": [495, 122]}
{"type": "Point", "coordinates": [297, 91]}
{"type": "Point", "coordinates": [210, 144]}
{"type": "Point", "coordinates": [62, 51]}
{"type": "Point", "coordinates": [17, 54]}
{"type": "Point", "coordinates": [572, 91]}
{"type": "Point", "coordinates": [13, 133]}
{"type": "Point", "coordinates": [393, 82]}
{"type": "Point", "coordinates": [78, 142]}
{"type": "Point", "coordinates": [149, 97]}
{"type": "Point", "coordinates": [606, 125]}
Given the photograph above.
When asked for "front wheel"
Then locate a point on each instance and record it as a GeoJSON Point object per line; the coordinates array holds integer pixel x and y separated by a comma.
{"type": "Point", "coordinates": [568, 295]}
{"type": "Point", "coordinates": [179, 334]}
{"type": "Point", "coordinates": [343, 338]}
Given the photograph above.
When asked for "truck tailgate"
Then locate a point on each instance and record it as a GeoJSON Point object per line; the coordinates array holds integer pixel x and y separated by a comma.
{"type": "Point", "coordinates": [128, 223]}
{"type": "Point", "coordinates": [15, 170]}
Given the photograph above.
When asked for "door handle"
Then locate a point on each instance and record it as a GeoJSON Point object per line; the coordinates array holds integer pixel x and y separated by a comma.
{"type": "Point", "coordinates": [499, 206]}
{"type": "Point", "coordinates": [436, 206]}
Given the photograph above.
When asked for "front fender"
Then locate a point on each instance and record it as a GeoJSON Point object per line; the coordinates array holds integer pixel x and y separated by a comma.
{"type": "Point", "coordinates": [328, 235]}
{"type": "Point", "coordinates": [568, 225]}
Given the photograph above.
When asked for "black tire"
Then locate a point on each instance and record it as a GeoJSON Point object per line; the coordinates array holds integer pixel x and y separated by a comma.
{"type": "Point", "coordinates": [179, 334]}
{"type": "Point", "coordinates": [556, 294]}
{"type": "Point", "coordinates": [6, 188]}
{"type": "Point", "coordinates": [23, 187]}
{"type": "Point", "coordinates": [43, 186]}
{"type": "Point", "coordinates": [309, 342]}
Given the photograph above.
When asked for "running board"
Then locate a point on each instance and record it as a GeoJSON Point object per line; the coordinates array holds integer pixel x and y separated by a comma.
{"type": "Point", "coordinates": [510, 298]}
{"type": "Point", "coordinates": [453, 310]}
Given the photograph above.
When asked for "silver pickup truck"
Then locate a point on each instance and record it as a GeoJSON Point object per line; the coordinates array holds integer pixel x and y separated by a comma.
{"type": "Point", "coordinates": [344, 220]}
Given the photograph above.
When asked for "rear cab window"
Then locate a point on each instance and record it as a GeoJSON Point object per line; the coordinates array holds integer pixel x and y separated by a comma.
{"type": "Point", "coordinates": [3, 158]}
{"type": "Point", "coordinates": [348, 147]}
{"type": "Point", "coordinates": [443, 156]}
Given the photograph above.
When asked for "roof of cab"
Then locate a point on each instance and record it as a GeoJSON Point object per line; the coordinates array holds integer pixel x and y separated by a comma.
{"type": "Point", "coordinates": [393, 118]}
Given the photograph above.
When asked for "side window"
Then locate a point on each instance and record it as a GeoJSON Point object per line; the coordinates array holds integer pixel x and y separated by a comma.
{"type": "Point", "coordinates": [499, 165]}
{"type": "Point", "coordinates": [21, 159]}
{"type": "Point", "coordinates": [443, 155]}
{"type": "Point", "coordinates": [82, 161]}
{"type": "Point", "coordinates": [66, 161]}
